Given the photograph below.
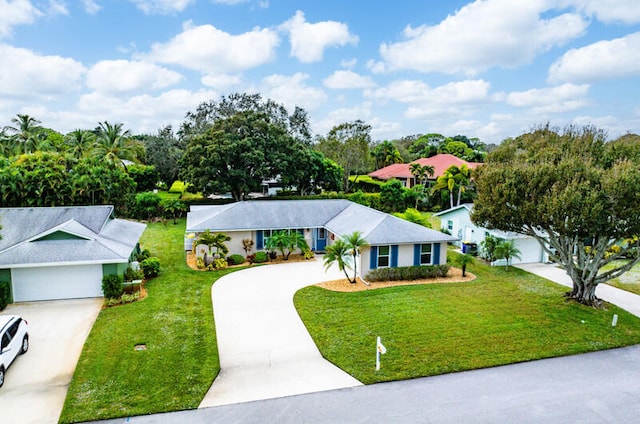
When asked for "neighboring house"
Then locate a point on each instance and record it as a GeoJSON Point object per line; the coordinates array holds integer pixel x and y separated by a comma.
{"type": "Point", "coordinates": [393, 241]}
{"type": "Point", "coordinates": [457, 221]}
{"type": "Point", "coordinates": [63, 252]}
{"type": "Point", "coordinates": [402, 171]}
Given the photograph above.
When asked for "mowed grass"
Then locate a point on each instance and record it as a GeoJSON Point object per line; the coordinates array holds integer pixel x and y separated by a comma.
{"type": "Point", "coordinates": [503, 317]}
{"type": "Point", "coordinates": [174, 322]}
{"type": "Point", "coordinates": [629, 281]}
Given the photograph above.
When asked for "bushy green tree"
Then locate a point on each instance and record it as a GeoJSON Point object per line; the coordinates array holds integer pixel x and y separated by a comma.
{"type": "Point", "coordinates": [573, 192]}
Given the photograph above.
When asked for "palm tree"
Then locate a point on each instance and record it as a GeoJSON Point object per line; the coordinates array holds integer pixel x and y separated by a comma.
{"type": "Point", "coordinates": [445, 182]}
{"type": "Point", "coordinates": [340, 253]}
{"type": "Point", "coordinates": [79, 142]}
{"type": "Point", "coordinates": [385, 154]}
{"type": "Point", "coordinates": [421, 174]}
{"type": "Point", "coordinates": [296, 241]}
{"type": "Point", "coordinates": [355, 243]}
{"type": "Point", "coordinates": [25, 132]}
{"type": "Point", "coordinates": [464, 260]}
{"type": "Point", "coordinates": [507, 249]}
{"type": "Point", "coordinates": [114, 145]}
{"type": "Point", "coordinates": [216, 240]}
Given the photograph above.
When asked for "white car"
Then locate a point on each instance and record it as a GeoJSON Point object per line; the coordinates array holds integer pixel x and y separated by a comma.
{"type": "Point", "coordinates": [14, 341]}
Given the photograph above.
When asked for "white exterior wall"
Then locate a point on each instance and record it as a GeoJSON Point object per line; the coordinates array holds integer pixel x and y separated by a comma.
{"type": "Point", "coordinates": [235, 244]}
{"type": "Point", "coordinates": [405, 255]}
{"type": "Point", "coordinates": [463, 228]}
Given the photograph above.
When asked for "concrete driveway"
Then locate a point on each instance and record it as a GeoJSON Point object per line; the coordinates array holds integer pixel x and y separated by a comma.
{"type": "Point", "coordinates": [265, 349]}
{"type": "Point", "coordinates": [36, 383]}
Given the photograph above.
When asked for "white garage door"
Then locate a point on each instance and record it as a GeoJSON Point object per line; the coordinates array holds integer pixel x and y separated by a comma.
{"type": "Point", "coordinates": [56, 282]}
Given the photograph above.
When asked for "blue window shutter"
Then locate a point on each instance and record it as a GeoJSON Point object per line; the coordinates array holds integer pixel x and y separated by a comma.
{"type": "Point", "coordinates": [394, 256]}
{"type": "Point", "coordinates": [373, 259]}
{"type": "Point", "coordinates": [416, 254]}
{"type": "Point", "coordinates": [259, 240]}
{"type": "Point", "coordinates": [436, 254]}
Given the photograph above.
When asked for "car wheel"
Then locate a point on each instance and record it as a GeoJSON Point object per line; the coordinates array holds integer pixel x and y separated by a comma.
{"type": "Point", "coordinates": [1, 376]}
{"type": "Point", "coordinates": [25, 345]}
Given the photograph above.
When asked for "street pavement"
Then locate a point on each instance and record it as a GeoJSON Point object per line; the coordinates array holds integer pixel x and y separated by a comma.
{"type": "Point", "coordinates": [598, 387]}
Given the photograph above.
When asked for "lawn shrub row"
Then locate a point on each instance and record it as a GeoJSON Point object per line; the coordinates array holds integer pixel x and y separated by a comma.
{"type": "Point", "coordinates": [5, 294]}
{"type": "Point", "coordinates": [407, 273]}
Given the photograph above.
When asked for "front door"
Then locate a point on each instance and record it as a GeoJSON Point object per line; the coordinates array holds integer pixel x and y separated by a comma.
{"type": "Point", "coordinates": [321, 239]}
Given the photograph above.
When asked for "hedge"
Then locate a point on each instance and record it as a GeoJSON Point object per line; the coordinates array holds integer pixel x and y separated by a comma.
{"type": "Point", "coordinates": [5, 294]}
{"type": "Point", "coordinates": [408, 273]}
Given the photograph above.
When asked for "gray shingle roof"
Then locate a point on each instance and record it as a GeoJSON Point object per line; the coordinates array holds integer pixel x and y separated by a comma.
{"type": "Point", "coordinates": [338, 216]}
{"type": "Point", "coordinates": [96, 237]}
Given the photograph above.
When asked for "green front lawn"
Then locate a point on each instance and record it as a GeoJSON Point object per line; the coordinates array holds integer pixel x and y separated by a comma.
{"type": "Point", "coordinates": [175, 322]}
{"type": "Point", "coordinates": [629, 281]}
{"type": "Point", "coordinates": [503, 317]}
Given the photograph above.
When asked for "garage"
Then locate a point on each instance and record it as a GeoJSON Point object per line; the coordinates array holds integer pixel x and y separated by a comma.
{"type": "Point", "coordinates": [56, 282]}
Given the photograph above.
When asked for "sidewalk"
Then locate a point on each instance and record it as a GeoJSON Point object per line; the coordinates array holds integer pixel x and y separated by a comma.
{"type": "Point", "coordinates": [265, 349]}
{"type": "Point", "coordinates": [624, 299]}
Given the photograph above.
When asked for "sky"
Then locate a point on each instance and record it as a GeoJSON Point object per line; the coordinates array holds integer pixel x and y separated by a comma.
{"type": "Point", "coordinates": [490, 69]}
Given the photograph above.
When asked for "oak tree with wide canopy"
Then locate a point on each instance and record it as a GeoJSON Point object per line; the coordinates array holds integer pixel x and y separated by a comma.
{"type": "Point", "coordinates": [573, 191]}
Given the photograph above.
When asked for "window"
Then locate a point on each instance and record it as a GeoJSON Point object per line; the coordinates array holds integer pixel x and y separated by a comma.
{"type": "Point", "coordinates": [383, 256]}
{"type": "Point", "coordinates": [322, 233]}
{"type": "Point", "coordinates": [450, 225]}
{"type": "Point", "coordinates": [425, 254]}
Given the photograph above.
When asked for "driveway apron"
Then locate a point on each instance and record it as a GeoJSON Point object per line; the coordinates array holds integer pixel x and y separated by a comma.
{"type": "Point", "coordinates": [36, 384]}
{"type": "Point", "coordinates": [624, 299]}
{"type": "Point", "coordinates": [265, 350]}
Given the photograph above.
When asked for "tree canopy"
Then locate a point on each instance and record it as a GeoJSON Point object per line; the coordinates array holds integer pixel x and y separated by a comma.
{"type": "Point", "coordinates": [576, 193]}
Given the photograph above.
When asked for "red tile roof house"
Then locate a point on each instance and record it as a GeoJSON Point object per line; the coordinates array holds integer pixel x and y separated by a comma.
{"type": "Point", "coordinates": [402, 171]}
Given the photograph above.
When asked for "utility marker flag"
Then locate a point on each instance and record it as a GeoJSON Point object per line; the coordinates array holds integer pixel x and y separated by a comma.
{"type": "Point", "coordinates": [380, 349]}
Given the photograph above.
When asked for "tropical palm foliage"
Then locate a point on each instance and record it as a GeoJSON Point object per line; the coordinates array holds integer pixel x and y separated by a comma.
{"type": "Point", "coordinates": [345, 253]}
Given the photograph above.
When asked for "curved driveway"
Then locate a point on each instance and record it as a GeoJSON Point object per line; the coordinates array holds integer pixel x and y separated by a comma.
{"type": "Point", "coordinates": [265, 350]}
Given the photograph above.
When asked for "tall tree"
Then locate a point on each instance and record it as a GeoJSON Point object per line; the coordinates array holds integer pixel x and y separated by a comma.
{"type": "Point", "coordinates": [572, 192]}
{"type": "Point", "coordinates": [25, 132]}
{"type": "Point", "coordinates": [386, 154]}
{"type": "Point", "coordinates": [114, 144]}
{"type": "Point", "coordinates": [164, 151]}
{"type": "Point", "coordinates": [348, 145]}
{"type": "Point", "coordinates": [79, 142]}
{"type": "Point", "coordinates": [237, 154]}
{"type": "Point", "coordinates": [421, 174]}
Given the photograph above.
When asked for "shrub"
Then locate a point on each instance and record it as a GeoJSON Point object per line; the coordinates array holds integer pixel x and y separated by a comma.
{"type": "Point", "coordinates": [143, 255]}
{"type": "Point", "coordinates": [408, 273]}
{"type": "Point", "coordinates": [146, 205]}
{"type": "Point", "coordinates": [177, 187]}
{"type": "Point", "coordinates": [112, 286]}
{"type": "Point", "coordinates": [260, 257]}
{"type": "Point", "coordinates": [130, 274]}
{"type": "Point", "coordinates": [200, 263]}
{"type": "Point", "coordinates": [220, 263]}
{"type": "Point", "coordinates": [308, 254]}
{"type": "Point", "coordinates": [150, 267]}
{"type": "Point", "coordinates": [146, 177]}
{"type": "Point", "coordinates": [235, 259]}
{"type": "Point", "coordinates": [125, 298]}
{"type": "Point", "coordinates": [5, 294]}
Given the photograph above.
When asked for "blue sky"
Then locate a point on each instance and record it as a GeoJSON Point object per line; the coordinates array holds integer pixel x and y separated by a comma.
{"type": "Point", "coordinates": [490, 68]}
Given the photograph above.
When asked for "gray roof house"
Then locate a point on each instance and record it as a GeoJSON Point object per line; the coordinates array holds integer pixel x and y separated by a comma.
{"type": "Point", "coordinates": [63, 252]}
{"type": "Point", "coordinates": [393, 241]}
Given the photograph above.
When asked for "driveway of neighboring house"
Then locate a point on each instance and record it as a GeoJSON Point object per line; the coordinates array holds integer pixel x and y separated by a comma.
{"type": "Point", "coordinates": [265, 349]}
{"type": "Point", "coordinates": [36, 383]}
{"type": "Point", "coordinates": [624, 299]}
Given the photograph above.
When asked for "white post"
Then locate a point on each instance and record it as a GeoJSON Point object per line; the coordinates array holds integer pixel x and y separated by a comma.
{"type": "Point", "coordinates": [378, 354]}
{"type": "Point", "coordinates": [615, 320]}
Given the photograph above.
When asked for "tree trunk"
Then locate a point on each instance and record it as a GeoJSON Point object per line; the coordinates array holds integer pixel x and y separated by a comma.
{"type": "Point", "coordinates": [585, 293]}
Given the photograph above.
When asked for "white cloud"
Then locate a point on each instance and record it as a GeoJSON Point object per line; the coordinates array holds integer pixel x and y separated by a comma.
{"type": "Point", "coordinates": [349, 64]}
{"type": "Point", "coordinates": [416, 91]}
{"type": "Point", "coordinates": [557, 99]}
{"type": "Point", "coordinates": [221, 81]}
{"type": "Point", "coordinates": [141, 114]}
{"type": "Point", "coordinates": [162, 7]}
{"type": "Point", "coordinates": [91, 7]}
{"type": "Point", "coordinates": [607, 59]}
{"type": "Point", "coordinates": [626, 11]}
{"type": "Point", "coordinates": [347, 79]}
{"type": "Point", "coordinates": [26, 75]}
{"type": "Point", "coordinates": [121, 76]}
{"type": "Point", "coordinates": [481, 35]}
{"type": "Point", "coordinates": [57, 7]}
{"type": "Point", "coordinates": [308, 41]}
{"type": "Point", "coordinates": [292, 91]}
{"type": "Point", "coordinates": [16, 12]}
{"type": "Point", "coordinates": [341, 115]}
{"type": "Point", "coordinates": [207, 49]}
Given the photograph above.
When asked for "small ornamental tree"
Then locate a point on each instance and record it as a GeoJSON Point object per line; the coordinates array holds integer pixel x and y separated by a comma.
{"type": "Point", "coordinates": [575, 193]}
{"type": "Point", "coordinates": [507, 250]}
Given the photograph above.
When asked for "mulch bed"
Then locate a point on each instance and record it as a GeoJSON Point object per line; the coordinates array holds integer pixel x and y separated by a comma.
{"type": "Point", "coordinates": [343, 285]}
